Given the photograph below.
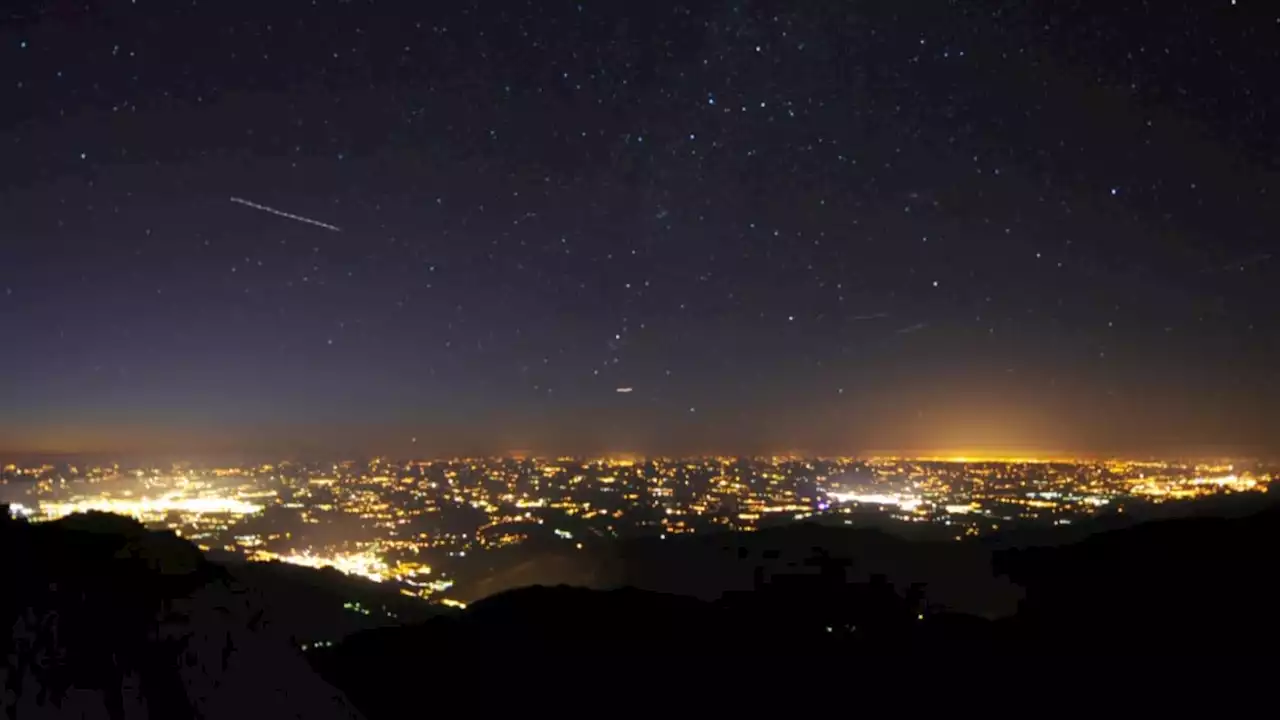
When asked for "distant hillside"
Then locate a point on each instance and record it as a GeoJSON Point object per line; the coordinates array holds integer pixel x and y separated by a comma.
{"type": "Point", "coordinates": [1184, 584]}
{"type": "Point", "coordinates": [808, 617]}
{"type": "Point", "coordinates": [310, 606]}
{"type": "Point", "coordinates": [1195, 586]}
{"type": "Point", "coordinates": [1233, 505]}
{"type": "Point", "coordinates": [109, 620]}
{"type": "Point", "coordinates": [957, 575]}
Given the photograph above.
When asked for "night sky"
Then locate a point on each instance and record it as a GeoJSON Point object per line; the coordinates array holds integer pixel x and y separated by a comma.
{"type": "Point", "coordinates": [832, 226]}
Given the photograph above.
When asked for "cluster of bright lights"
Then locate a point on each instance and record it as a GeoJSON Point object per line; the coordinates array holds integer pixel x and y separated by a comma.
{"type": "Point", "coordinates": [1173, 488]}
{"type": "Point", "coordinates": [361, 564]}
{"type": "Point", "coordinates": [144, 508]}
{"type": "Point", "coordinates": [906, 502]}
{"type": "Point", "coordinates": [1227, 481]}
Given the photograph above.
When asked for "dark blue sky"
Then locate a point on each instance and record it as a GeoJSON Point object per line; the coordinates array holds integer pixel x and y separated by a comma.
{"type": "Point", "coordinates": [819, 225]}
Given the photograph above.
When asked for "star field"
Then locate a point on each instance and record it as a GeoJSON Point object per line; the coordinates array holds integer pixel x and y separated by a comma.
{"type": "Point", "coordinates": [822, 225]}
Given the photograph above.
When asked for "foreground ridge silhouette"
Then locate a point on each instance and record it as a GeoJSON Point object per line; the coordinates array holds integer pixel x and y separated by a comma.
{"type": "Point", "coordinates": [110, 620]}
{"type": "Point", "coordinates": [105, 619]}
{"type": "Point", "coordinates": [1189, 585]}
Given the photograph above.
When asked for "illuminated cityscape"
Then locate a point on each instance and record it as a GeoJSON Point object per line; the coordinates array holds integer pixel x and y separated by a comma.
{"type": "Point", "coordinates": [418, 524]}
{"type": "Point", "coordinates": [349, 346]}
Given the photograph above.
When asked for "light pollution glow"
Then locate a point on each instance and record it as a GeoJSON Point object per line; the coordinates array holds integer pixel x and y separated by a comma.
{"type": "Point", "coordinates": [362, 564]}
{"type": "Point", "coordinates": [144, 508]}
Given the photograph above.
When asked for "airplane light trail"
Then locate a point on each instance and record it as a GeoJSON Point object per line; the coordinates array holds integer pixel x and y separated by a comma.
{"type": "Point", "coordinates": [281, 213]}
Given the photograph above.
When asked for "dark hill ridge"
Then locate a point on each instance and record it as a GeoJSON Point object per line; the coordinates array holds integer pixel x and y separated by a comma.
{"type": "Point", "coordinates": [706, 566]}
{"type": "Point", "coordinates": [572, 628]}
{"type": "Point", "coordinates": [310, 605]}
{"type": "Point", "coordinates": [1191, 585]}
{"type": "Point", "coordinates": [109, 620]}
{"type": "Point", "coordinates": [1169, 585]}
{"type": "Point", "coordinates": [958, 575]}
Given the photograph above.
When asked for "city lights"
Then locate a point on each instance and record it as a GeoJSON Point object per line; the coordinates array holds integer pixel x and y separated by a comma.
{"type": "Point", "coordinates": [147, 508]}
{"type": "Point", "coordinates": [420, 525]}
{"type": "Point", "coordinates": [361, 564]}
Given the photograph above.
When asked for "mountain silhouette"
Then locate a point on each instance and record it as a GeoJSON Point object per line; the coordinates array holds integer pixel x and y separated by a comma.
{"type": "Point", "coordinates": [109, 620]}
{"type": "Point", "coordinates": [707, 565]}
{"type": "Point", "coordinates": [1195, 584]}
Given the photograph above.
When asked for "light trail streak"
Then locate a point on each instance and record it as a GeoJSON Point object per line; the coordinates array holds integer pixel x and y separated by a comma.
{"type": "Point", "coordinates": [283, 214]}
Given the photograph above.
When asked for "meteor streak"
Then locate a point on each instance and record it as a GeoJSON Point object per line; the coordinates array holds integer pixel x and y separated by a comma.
{"type": "Point", "coordinates": [281, 213]}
